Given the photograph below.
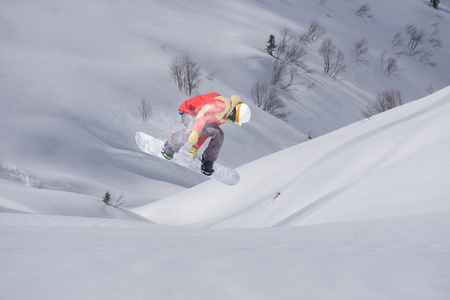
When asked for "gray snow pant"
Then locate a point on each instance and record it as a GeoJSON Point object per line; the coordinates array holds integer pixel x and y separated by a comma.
{"type": "Point", "coordinates": [178, 139]}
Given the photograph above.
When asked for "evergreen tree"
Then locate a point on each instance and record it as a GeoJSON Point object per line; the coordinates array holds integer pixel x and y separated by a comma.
{"type": "Point", "coordinates": [271, 45]}
{"type": "Point", "coordinates": [107, 198]}
{"type": "Point", "coordinates": [435, 3]}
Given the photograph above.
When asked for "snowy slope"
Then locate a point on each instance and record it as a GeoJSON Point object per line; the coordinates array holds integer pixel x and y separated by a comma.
{"type": "Point", "coordinates": [73, 73]}
{"type": "Point", "coordinates": [359, 213]}
{"type": "Point", "coordinates": [391, 165]}
{"type": "Point", "coordinates": [52, 257]}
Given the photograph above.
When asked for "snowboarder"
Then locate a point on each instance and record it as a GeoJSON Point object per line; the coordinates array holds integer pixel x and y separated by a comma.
{"type": "Point", "coordinates": [201, 117]}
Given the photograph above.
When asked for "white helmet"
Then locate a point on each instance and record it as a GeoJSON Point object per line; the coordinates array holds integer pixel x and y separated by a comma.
{"type": "Point", "coordinates": [243, 114]}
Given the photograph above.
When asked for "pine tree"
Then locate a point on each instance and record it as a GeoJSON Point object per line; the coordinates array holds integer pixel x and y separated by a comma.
{"type": "Point", "coordinates": [107, 198]}
{"type": "Point", "coordinates": [435, 3]}
{"type": "Point", "coordinates": [271, 45]}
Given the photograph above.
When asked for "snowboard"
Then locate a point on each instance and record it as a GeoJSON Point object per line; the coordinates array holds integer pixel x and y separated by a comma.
{"type": "Point", "coordinates": [153, 146]}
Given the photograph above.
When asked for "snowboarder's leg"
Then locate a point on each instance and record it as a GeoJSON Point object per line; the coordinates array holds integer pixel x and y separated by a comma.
{"type": "Point", "coordinates": [211, 153]}
{"type": "Point", "coordinates": [179, 138]}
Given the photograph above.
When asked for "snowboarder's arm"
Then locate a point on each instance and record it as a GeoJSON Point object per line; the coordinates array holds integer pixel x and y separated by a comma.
{"type": "Point", "coordinates": [201, 118]}
{"type": "Point", "coordinates": [200, 122]}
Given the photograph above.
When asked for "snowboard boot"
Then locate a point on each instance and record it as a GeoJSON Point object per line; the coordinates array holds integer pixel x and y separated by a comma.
{"type": "Point", "coordinates": [167, 152]}
{"type": "Point", "coordinates": [207, 167]}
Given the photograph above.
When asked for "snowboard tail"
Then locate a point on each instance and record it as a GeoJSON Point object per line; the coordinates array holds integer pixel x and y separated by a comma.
{"type": "Point", "coordinates": [154, 146]}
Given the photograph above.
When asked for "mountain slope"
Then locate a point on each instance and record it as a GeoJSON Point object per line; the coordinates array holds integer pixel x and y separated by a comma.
{"type": "Point", "coordinates": [73, 74]}
{"type": "Point", "coordinates": [87, 258]}
{"type": "Point", "coordinates": [360, 213]}
{"type": "Point", "coordinates": [388, 241]}
{"type": "Point", "coordinates": [391, 165]}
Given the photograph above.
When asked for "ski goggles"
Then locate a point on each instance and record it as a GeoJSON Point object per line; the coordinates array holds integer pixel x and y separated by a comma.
{"type": "Point", "coordinates": [238, 110]}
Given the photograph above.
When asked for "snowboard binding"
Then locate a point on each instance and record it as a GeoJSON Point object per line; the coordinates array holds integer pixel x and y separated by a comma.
{"type": "Point", "coordinates": [207, 167]}
{"type": "Point", "coordinates": [167, 152]}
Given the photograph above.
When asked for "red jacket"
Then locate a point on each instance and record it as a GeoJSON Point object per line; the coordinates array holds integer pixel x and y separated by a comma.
{"type": "Point", "coordinates": [208, 108]}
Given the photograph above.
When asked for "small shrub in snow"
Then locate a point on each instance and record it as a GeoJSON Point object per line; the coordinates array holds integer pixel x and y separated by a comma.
{"type": "Point", "coordinates": [360, 49]}
{"type": "Point", "coordinates": [416, 37]}
{"type": "Point", "coordinates": [39, 184]}
{"type": "Point", "coordinates": [314, 33]}
{"type": "Point", "coordinates": [145, 110]}
{"type": "Point", "coordinates": [397, 40]}
{"type": "Point", "coordinates": [384, 101]}
{"type": "Point", "coordinates": [434, 39]}
{"type": "Point", "coordinates": [389, 63]}
{"type": "Point", "coordinates": [430, 88]}
{"type": "Point", "coordinates": [417, 42]}
{"type": "Point", "coordinates": [363, 11]}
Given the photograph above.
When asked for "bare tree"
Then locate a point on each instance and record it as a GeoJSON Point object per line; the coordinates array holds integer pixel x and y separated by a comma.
{"type": "Point", "coordinates": [416, 37]}
{"type": "Point", "coordinates": [288, 59]}
{"type": "Point", "coordinates": [338, 65]}
{"type": "Point", "coordinates": [332, 58]}
{"type": "Point", "coordinates": [363, 11]}
{"type": "Point", "coordinates": [391, 66]}
{"type": "Point", "coordinates": [384, 101]}
{"type": "Point", "coordinates": [191, 75]}
{"type": "Point", "coordinates": [424, 57]}
{"type": "Point", "coordinates": [289, 78]}
{"type": "Point", "coordinates": [397, 40]}
{"type": "Point", "coordinates": [186, 73]}
{"type": "Point", "coordinates": [434, 39]}
{"type": "Point", "coordinates": [327, 50]}
{"type": "Point", "coordinates": [278, 69]}
{"type": "Point", "coordinates": [176, 71]}
{"type": "Point", "coordinates": [259, 93]}
{"type": "Point", "coordinates": [145, 110]}
{"type": "Point", "coordinates": [388, 63]}
{"type": "Point", "coordinates": [360, 50]}
{"type": "Point", "coordinates": [267, 98]}
{"type": "Point", "coordinates": [314, 33]}
{"type": "Point", "coordinates": [118, 202]}
{"type": "Point", "coordinates": [316, 30]}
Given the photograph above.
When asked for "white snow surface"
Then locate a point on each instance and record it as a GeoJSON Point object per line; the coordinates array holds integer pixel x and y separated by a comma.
{"type": "Point", "coordinates": [361, 211]}
{"type": "Point", "coordinates": [394, 164]}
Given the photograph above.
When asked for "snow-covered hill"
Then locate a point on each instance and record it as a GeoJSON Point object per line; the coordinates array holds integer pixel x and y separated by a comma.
{"type": "Point", "coordinates": [53, 257]}
{"type": "Point", "coordinates": [73, 74]}
{"type": "Point", "coordinates": [394, 164]}
{"type": "Point", "coordinates": [357, 213]}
